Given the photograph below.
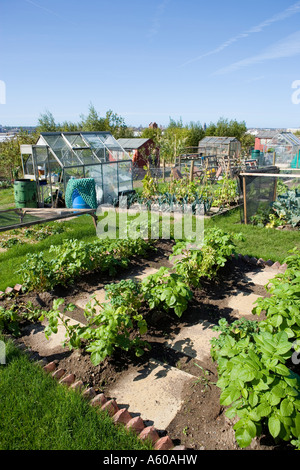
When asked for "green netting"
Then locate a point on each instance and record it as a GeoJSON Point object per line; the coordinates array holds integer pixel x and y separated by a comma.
{"type": "Point", "coordinates": [85, 187]}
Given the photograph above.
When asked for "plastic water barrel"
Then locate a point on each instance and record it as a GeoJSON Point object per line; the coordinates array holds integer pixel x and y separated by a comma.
{"type": "Point", "coordinates": [255, 154]}
{"type": "Point", "coordinates": [25, 193]}
{"type": "Point", "coordinates": [78, 201]}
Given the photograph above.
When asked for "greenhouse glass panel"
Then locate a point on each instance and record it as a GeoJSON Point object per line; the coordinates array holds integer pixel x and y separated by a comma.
{"type": "Point", "coordinates": [95, 172]}
{"type": "Point", "coordinates": [97, 145]}
{"type": "Point", "coordinates": [125, 176]}
{"type": "Point", "coordinates": [110, 182]}
{"type": "Point", "coordinates": [61, 149]}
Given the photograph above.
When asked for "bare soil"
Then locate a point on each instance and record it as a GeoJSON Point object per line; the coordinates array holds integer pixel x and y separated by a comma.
{"type": "Point", "coordinates": [201, 424]}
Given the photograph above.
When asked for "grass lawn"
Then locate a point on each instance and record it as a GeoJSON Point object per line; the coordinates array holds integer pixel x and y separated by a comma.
{"type": "Point", "coordinates": [7, 199]}
{"type": "Point", "coordinates": [259, 242]}
{"type": "Point", "coordinates": [37, 413]}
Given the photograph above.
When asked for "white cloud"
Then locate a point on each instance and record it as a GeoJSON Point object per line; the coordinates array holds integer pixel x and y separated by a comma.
{"type": "Point", "coordinates": [156, 22]}
{"type": "Point", "coordinates": [292, 10]}
{"type": "Point", "coordinates": [287, 47]}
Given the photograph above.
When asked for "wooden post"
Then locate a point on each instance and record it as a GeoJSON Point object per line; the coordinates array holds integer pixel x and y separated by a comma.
{"type": "Point", "coordinates": [164, 166]}
{"type": "Point", "coordinates": [245, 201]}
{"type": "Point", "coordinates": [192, 171]}
{"type": "Point", "coordinates": [275, 190]}
{"type": "Point", "coordinates": [274, 158]}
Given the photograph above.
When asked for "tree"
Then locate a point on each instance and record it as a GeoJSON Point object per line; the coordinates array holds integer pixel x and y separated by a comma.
{"type": "Point", "coordinates": [247, 142]}
{"type": "Point", "coordinates": [46, 123]}
{"type": "Point", "coordinates": [195, 134]}
{"type": "Point", "coordinates": [92, 122]}
{"type": "Point", "coordinates": [10, 154]}
{"type": "Point", "coordinates": [226, 128]}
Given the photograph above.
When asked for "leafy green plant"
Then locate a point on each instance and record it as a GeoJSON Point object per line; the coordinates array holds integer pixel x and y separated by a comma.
{"type": "Point", "coordinates": [11, 317]}
{"type": "Point", "coordinates": [74, 257]}
{"type": "Point", "coordinates": [204, 262]}
{"type": "Point", "coordinates": [108, 327]}
{"type": "Point", "coordinates": [287, 207]}
{"type": "Point", "coordinates": [252, 362]}
{"type": "Point", "coordinates": [167, 291]}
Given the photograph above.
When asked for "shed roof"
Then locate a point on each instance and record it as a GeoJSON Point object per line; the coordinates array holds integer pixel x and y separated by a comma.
{"type": "Point", "coordinates": [133, 143]}
{"type": "Point", "coordinates": [266, 134]}
{"type": "Point", "coordinates": [217, 140]}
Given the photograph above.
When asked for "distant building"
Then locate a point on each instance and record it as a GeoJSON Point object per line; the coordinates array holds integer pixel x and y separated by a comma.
{"type": "Point", "coordinates": [263, 138]}
{"type": "Point", "coordinates": [141, 151]}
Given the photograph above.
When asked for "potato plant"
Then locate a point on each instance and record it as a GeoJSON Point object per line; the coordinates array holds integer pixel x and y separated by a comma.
{"type": "Point", "coordinates": [256, 382]}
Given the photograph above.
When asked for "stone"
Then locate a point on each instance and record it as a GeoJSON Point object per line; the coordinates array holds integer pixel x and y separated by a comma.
{"type": "Point", "coordinates": [246, 258]}
{"type": "Point", "coordinates": [9, 290]}
{"type": "Point", "coordinates": [111, 407]}
{"type": "Point", "coordinates": [58, 373]}
{"type": "Point", "coordinates": [18, 287]}
{"type": "Point", "coordinates": [89, 393]}
{"type": "Point", "coordinates": [181, 447]}
{"type": "Point", "coordinates": [78, 385]}
{"type": "Point", "coordinates": [149, 433]}
{"type": "Point", "coordinates": [164, 443]}
{"type": "Point", "coordinates": [260, 262]}
{"type": "Point", "coordinates": [137, 424]}
{"type": "Point", "coordinates": [276, 265]}
{"type": "Point", "coordinates": [99, 400]}
{"type": "Point", "coordinates": [50, 367]}
{"type": "Point", "coordinates": [269, 263]}
{"type": "Point", "coordinates": [68, 380]}
{"type": "Point", "coordinates": [283, 267]}
{"type": "Point", "coordinates": [122, 416]}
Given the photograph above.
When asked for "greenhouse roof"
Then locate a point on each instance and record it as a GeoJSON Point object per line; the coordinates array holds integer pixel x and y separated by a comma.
{"type": "Point", "coordinates": [217, 140]}
{"type": "Point", "coordinates": [286, 138]}
{"type": "Point", "coordinates": [82, 148]}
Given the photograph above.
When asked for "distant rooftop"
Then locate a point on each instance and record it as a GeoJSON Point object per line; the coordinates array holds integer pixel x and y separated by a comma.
{"type": "Point", "coordinates": [133, 143]}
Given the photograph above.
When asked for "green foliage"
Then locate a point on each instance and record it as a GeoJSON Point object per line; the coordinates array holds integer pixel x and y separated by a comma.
{"type": "Point", "coordinates": [204, 262]}
{"type": "Point", "coordinates": [226, 193]}
{"type": "Point", "coordinates": [10, 156]}
{"type": "Point", "coordinates": [166, 291]}
{"type": "Point", "coordinates": [74, 257]}
{"type": "Point", "coordinates": [256, 383]}
{"type": "Point", "coordinates": [93, 122]}
{"type": "Point", "coordinates": [287, 207]}
{"type": "Point", "coordinates": [11, 317]}
{"type": "Point", "coordinates": [108, 327]}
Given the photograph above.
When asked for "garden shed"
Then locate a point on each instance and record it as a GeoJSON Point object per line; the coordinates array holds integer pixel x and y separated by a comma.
{"type": "Point", "coordinates": [142, 151]}
{"type": "Point", "coordinates": [219, 146]}
{"type": "Point", "coordinates": [58, 157]}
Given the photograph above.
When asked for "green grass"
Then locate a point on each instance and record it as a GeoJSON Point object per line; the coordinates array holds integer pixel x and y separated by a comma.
{"type": "Point", "coordinates": [259, 242]}
{"type": "Point", "coordinates": [7, 198]}
{"type": "Point", "coordinates": [37, 413]}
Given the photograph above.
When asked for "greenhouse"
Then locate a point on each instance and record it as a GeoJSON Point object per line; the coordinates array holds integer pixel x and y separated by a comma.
{"type": "Point", "coordinates": [59, 157]}
{"type": "Point", "coordinates": [220, 146]}
{"type": "Point", "coordinates": [287, 149]}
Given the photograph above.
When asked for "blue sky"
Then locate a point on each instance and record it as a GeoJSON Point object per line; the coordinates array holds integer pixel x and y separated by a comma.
{"type": "Point", "coordinates": [149, 61]}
